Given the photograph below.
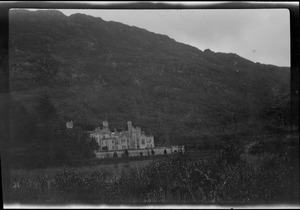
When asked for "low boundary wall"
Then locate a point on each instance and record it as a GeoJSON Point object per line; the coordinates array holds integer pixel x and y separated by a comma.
{"type": "Point", "coordinates": [138, 152]}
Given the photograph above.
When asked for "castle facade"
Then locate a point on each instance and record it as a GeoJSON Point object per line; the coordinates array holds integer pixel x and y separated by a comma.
{"type": "Point", "coordinates": [133, 138]}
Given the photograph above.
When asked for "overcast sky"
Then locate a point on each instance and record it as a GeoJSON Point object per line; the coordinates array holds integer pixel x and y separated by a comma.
{"type": "Point", "coordinates": [260, 35]}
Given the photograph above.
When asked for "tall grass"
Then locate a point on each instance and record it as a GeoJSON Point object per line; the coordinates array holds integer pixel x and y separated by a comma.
{"type": "Point", "coordinates": [230, 176]}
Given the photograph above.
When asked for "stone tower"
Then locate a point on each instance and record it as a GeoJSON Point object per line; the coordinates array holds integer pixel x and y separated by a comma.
{"type": "Point", "coordinates": [105, 124]}
{"type": "Point", "coordinates": [69, 124]}
{"type": "Point", "coordinates": [129, 125]}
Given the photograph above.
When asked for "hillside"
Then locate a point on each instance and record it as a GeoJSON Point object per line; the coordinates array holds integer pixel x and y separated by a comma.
{"type": "Point", "coordinates": [97, 70]}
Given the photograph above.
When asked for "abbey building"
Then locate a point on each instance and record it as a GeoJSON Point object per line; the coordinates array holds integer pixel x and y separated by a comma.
{"type": "Point", "coordinates": [133, 138]}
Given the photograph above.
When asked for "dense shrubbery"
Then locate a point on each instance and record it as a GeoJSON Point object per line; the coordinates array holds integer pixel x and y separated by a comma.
{"type": "Point", "coordinates": [228, 177]}
{"type": "Point", "coordinates": [79, 187]}
{"type": "Point", "coordinates": [39, 138]}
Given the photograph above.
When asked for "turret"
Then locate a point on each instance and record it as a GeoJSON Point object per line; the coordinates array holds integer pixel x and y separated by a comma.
{"type": "Point", "coordinates": [129, 124]}
{"type": "Point", "coordinates": [105, 124]}
{"type": "Point", "coordinates": [69, 124]}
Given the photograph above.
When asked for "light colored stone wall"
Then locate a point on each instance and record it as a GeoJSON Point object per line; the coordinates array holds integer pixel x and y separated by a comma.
{"type": "Point", "coordinates": [136, 152]}
{"type": "Point", "coordinates": [133, 137]}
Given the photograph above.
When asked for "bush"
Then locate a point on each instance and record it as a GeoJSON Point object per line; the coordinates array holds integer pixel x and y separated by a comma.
{"type": "Point", "coordinates": [126, 153]}
{"type": "Point", "coordinates": [225, 178]}
{"type": "Point", "coordinates": [152, 152]}
{"type": "Point", "coordinates": [230, 152]}
{"type": "Point", "coordinates": [268, 146]}
{"type": "Point", "coordinates": [83, 186]}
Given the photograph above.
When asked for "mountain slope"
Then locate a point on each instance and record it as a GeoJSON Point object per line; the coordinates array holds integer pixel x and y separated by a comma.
{"type": "Point", "coordinates": [96, 70]}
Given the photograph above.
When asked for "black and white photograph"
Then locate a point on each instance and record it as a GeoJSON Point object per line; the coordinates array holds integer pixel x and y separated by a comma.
{"type": "Point", "coordinates": [151, 107]}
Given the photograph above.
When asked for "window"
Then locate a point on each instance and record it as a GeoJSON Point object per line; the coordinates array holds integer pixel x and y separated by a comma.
{"type": "Point", "coordinates": [127, 140]}
{"type": "Point", "coordinates": [143, 141]}
{"type": "Point", "coordinates": [113, 147]}
{"type": "Point", "coordinates": [128, 147]}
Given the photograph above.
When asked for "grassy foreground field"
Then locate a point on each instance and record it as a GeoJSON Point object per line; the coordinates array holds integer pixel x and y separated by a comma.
{"type": "Point", "coordinates": [234, 175]}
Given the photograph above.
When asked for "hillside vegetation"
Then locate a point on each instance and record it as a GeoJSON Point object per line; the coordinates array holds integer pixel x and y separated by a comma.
{"type": "Point", "coordinates": [95, 70]}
